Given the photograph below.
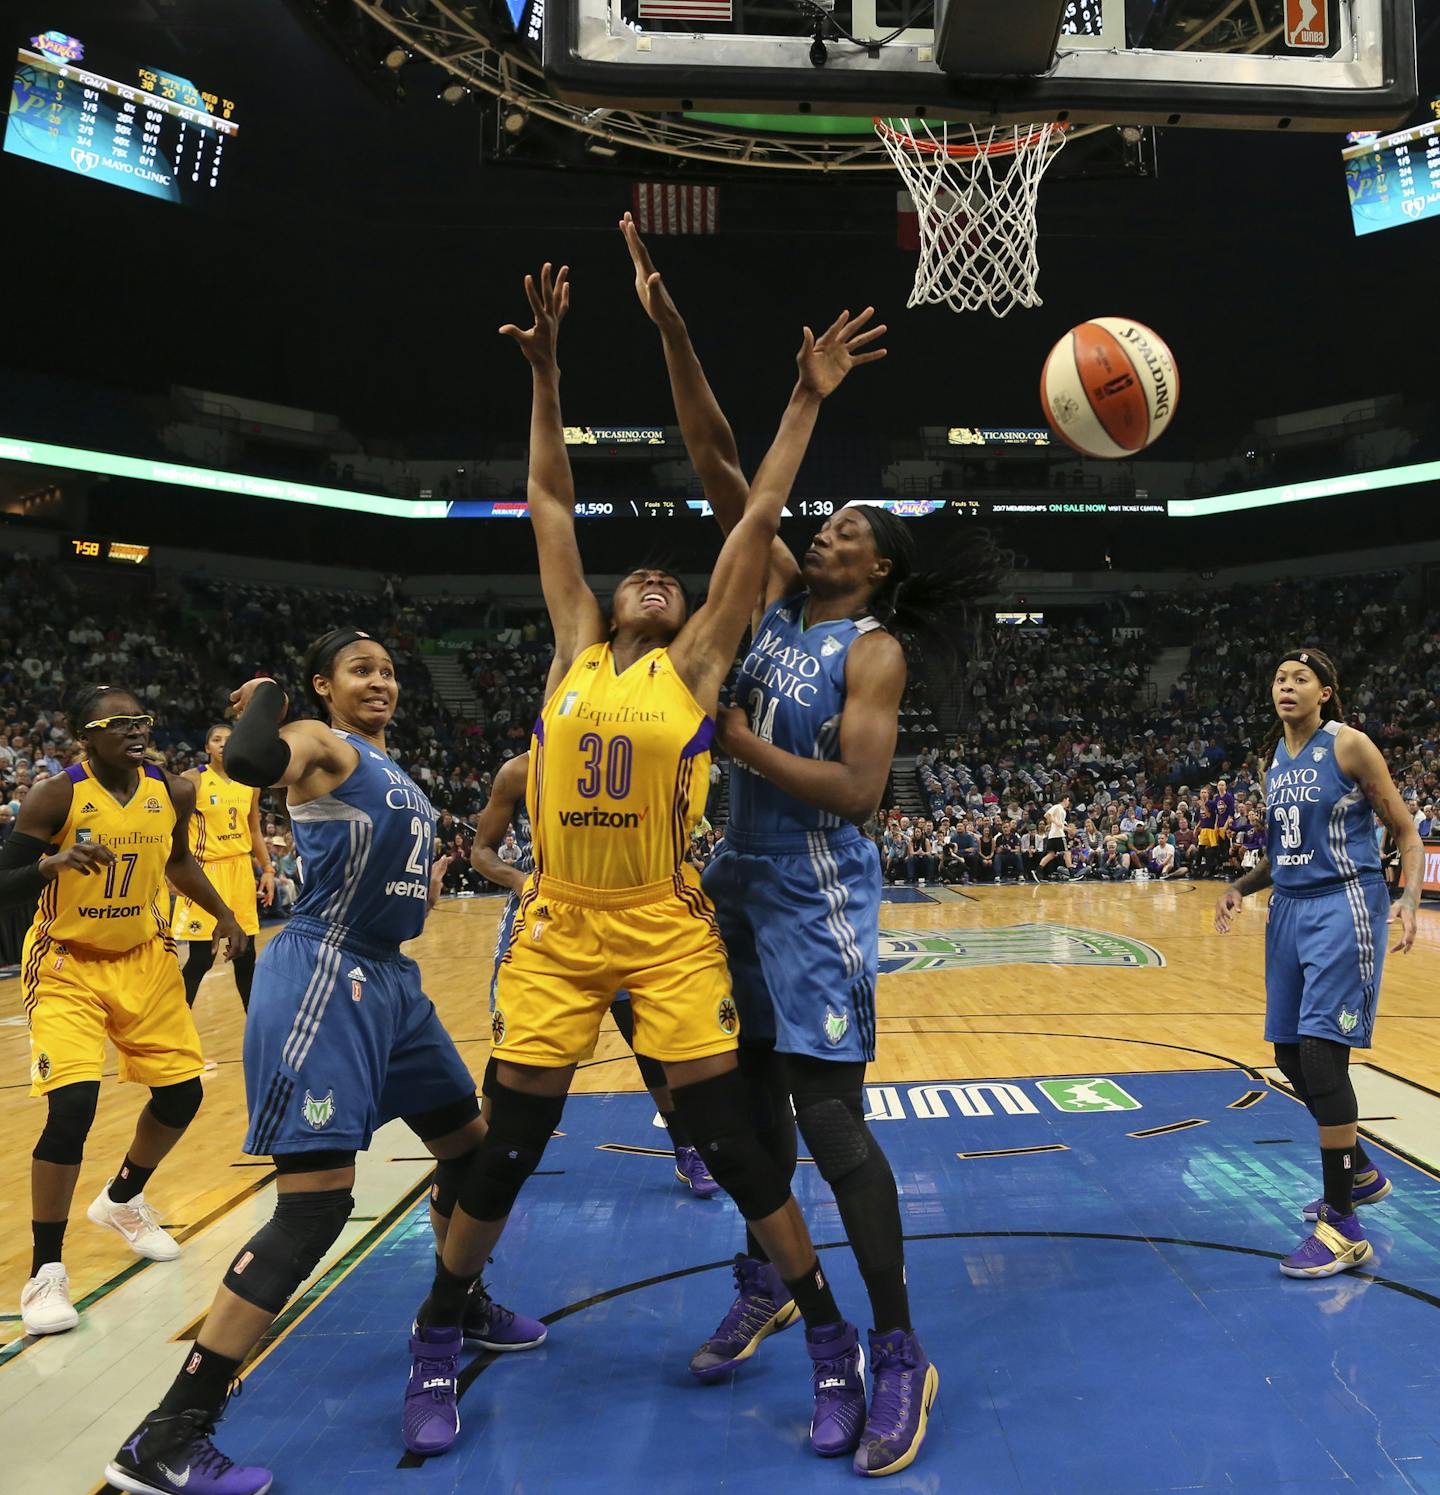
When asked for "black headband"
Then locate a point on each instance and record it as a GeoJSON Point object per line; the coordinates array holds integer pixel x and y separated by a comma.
{"type": "Point", "coordinates": [1313, 662]}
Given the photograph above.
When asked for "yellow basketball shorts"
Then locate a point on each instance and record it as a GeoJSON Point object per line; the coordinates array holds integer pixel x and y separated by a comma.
{"type": "Point", "coordinates": [232, 878]}
{"type": "Point", "coordinates": [1210, 837]}
{"type": "Point", "coordinates": [74, 1002]}
{"type": "Point", "coordinates": [573, 948]}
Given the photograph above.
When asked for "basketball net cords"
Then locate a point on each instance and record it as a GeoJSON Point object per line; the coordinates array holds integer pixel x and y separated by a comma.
{"type": "Point", "coordinates": [976, 211]}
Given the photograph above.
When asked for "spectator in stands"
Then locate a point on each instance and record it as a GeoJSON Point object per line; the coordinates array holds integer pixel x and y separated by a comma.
{"type": "Point", "coordinates": [1009, 859]}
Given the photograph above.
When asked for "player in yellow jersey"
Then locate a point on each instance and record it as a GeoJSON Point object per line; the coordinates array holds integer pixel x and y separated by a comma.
{"type": "Point", "coordinates": [618, 778]}
{"type": "Point", "coordinates": [226, 840]}
{"type": "Point", "coordinates": [93, 848]}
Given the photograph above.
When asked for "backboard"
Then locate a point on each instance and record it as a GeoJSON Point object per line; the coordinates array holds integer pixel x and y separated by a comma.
{"type": "Point", "coordinates": [1238, 64]}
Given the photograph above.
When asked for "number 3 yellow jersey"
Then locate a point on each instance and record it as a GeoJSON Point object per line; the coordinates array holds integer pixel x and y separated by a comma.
{"type": "Point", "coordinates": [619, 771]}
{"type": "Point", "coordinates": [118, 908]}
{"type": "Point", "coordinates": [220, 826]}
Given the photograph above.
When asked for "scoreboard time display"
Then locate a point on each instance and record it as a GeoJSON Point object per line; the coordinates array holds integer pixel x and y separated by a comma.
{"type": "Point", "coordinates": [88, 548]}
{"type": "Point", "coordinates": [134, 127]}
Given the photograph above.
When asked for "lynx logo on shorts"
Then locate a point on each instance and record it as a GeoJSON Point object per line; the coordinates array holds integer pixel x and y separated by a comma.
{"type": "Point", "coordinates": [42, 1066]}
{"type": "Point", "coordinates": [357, 978]}
{"type": "Point", "coordinates": [1348, 1021]}
{"type": "Point", "coordinates": [1019, 944]}
{"type": "Point", "coordinates": [319, 1113]}
{"type": "Point", "coordinates": [497, 1027]}
{"type": "Point", "coordinates": [728, 1017]}
{"type": "Point", "coordinates": [836, 1025]}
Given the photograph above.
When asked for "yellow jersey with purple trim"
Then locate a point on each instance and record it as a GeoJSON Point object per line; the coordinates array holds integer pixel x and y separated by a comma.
{"type": "Point", "coordinates": [220, 826]}
{"type": "Point", "coordinates": [619, 772]}
{"type": "Point", "coordinates": [117, 908]}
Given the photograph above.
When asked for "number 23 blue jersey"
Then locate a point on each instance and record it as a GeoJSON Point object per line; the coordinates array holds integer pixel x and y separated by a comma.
{"type": "Point", "coordinates": [1319, 825]}
{"type": "Point", "coordinates": [365, 850]}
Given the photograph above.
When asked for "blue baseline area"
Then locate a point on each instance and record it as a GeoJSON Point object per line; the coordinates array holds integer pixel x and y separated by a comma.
{"type": "Point", "coordinates": [1108, 1317]}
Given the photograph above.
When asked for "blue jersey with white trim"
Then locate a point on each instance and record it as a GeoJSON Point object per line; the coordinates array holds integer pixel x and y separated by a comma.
{"type": "Point", "coordinates": [792, 687]}
{"type": "Point", "coordinates": [1319, 825]}
{"type": "Point", "coordinates": [365, 850]}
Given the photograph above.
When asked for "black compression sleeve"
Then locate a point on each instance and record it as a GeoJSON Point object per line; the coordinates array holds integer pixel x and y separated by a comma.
{"type": "Point", "coordinates": [256, 754]}
{"type": "Point", "coordinates": [21, 880]}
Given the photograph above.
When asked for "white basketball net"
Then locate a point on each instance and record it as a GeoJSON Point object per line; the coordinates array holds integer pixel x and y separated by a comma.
{"type": "Point", "coordinates": [974, 192]}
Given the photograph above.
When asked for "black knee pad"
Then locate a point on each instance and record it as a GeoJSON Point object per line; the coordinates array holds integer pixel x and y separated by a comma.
{"type": "Point", "coordinates": [520, 1128]}
{"type": "Point", "coordinates": [1325, 1066]}
{"type": "Point", "coordinates": [450, 1173]}
{"type": "Point", "coordinates": [443, 1120]}
{"type": "Point", "coordinates": [175, 1105]}
{"type": "Point", "coordinates": [837, 1136]}
{"type": "Point", "coordinates": [1287, 1061]}
{"type": "Point", "coordinates": [282, 1254]}
{"type": "Point", "coordinates": [716, 1112]}
{"type": "Point", "coordinates": [70, 1114]}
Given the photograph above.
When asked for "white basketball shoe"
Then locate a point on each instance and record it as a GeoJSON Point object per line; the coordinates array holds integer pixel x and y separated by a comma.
{"type": "Point", "coordinates": [45, 1306]}
{"type": "Point", "coordinates": [136, 1222]}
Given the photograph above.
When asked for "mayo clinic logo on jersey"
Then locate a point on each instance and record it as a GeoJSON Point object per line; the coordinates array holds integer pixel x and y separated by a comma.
{"type": "Point", "coordinates": [784, 668]}
{"type": "Point", "coordinates": [1293, 786]}
{"type": "Point", "coordinates": [319, 1113]}
{"type": "Point", "coordinates": [904, 950]}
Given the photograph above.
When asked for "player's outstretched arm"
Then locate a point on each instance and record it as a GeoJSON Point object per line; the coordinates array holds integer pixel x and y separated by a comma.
{"type": "Point", "coordinates": [1256, 880]}
{"type": "Point", "coordinates": [706, 645]}
{"type": "Point", "coordinates": [265, 755]}
{"type": "Point", "coordinates": [708, 437]}
{"type": "Point", "coordinates": [575, 615]}
{"type": "Point", "coordinates": [852, 786]}
{"type": "Point", "coordinates": [505, 792]}
{"type": "Point", "coordinates": [1357, 755]}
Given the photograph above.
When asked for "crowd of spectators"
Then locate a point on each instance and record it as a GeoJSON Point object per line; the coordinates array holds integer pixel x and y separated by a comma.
{"type": "Point", "coordinates": [1055, 712]}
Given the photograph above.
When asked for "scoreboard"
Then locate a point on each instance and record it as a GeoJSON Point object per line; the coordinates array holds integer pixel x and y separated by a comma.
{"type": "Point", "coordinates": [140, 128]}
{"type": "Point", "coordinates": [1394, 179]}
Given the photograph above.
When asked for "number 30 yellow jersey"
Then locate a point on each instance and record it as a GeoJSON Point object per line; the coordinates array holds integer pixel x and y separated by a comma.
{"type": "Point", "coordinates": [619, 772]}
{"type": "Point", "coordinates": [116, 909]}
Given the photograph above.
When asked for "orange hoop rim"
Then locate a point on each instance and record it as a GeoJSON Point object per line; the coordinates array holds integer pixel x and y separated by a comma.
{"type": "Point", "coordinates": [1011, 147]}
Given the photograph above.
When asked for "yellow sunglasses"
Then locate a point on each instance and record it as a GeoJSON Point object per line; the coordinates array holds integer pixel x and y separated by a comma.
{"type": "Point", "coordinates": [120, 723]}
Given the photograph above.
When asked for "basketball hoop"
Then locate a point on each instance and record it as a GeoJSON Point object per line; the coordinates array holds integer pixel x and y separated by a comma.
{"type": "Point", "coordinates": [975, 192]}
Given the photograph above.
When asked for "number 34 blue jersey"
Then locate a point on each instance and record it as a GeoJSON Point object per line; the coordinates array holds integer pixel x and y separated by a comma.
{"type": "Point", "coordinates": [1320, 831]}
{"type": "Point", "coordinates": [365, 850]}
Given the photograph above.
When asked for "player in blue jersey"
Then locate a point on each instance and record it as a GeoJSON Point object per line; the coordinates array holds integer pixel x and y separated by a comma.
{"type": "Point", "coordinates": [339, 1039]}
{"type": "Point", "coordinates": [505, 812]}
{"type": "Point", "coordinates": [1326, 932]}
{"type": "Point", "coordinates": [797, 885]}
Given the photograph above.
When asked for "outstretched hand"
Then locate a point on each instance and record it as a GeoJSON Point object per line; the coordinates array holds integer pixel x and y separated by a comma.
{"type": "Point", "coordinates": [1227, 906]}
{"type": "Point", "coordinates": [825, 361]}
{"type": "Point", "coordinates": [649, 287]}
{"type": "Point", "coordinates": [549, 301]}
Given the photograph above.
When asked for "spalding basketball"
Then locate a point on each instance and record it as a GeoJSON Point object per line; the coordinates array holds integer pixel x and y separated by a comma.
{"type": "Point", "coordinates": [1109, 387]}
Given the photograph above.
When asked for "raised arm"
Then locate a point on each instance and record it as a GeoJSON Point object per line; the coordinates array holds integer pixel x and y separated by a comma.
{"type": "Point", "coordinates": [704, 651]}
{"type": "Point", "coordinates": [707, 435]}
{"type": "Point", "coordinates": [575, 615]}
{"type": "Point", "coordinates": [263, 754]}
{"type": "Point", "coordinates": [495, 818]}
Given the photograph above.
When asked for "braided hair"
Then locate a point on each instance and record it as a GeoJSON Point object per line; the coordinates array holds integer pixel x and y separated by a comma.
{"type": "Point", "coordinates": [927, 608]}
{"type": "Point", "coordinates": [79, 704]}
{"type": "Point", "coordinates": [1330, 710]}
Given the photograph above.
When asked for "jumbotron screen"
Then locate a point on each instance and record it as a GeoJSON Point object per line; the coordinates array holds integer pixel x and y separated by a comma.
{"type": "Point", "coordinates": [134, 127]}
{"type": "Point", "coordinates": [1394, 179]}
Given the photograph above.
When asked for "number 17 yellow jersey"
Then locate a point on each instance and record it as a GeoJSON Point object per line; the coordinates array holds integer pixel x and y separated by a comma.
{"type": "Point", "coordinates": [619, 772]}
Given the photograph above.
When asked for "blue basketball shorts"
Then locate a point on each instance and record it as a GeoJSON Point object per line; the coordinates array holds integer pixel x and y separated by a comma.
{"type": "Point", "coordinates": [800, 916]}
{"type": "Point", "coordinates": [339, 1040]}
{"type": "Point", "coordinates": [1323, 957]}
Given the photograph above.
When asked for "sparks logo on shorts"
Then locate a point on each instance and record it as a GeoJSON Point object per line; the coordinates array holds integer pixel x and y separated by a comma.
{"type": "Point", "coordinates": [1019, 944]}
{"type": "Point", "coordinates": [357, 977]}
{"type": "Point", "coordinates": [193, 926]}
{"type": "Point", "coordinates": [836, 1026]}
{"type": "Point", "coordinates": [153, 805]}
{"type": "Point", "coordinates": [42, 1066]}
{"type": "Point", "coordinates": [319, 1113]}
{"type": "Point", "coordinates": [728, 1017]}
{"type": "Point", "coordinates": [1348, 1021]}
{"type": "Point", "coordinates": [497, 1027]}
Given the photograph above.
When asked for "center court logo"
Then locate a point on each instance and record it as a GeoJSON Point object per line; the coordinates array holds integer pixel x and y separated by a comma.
{"type": "Point", "coordinates": [1018, 944]}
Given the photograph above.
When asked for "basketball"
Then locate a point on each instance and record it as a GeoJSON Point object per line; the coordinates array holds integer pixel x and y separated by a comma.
{"type": "Point", "coordinates": [1109, 387]}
